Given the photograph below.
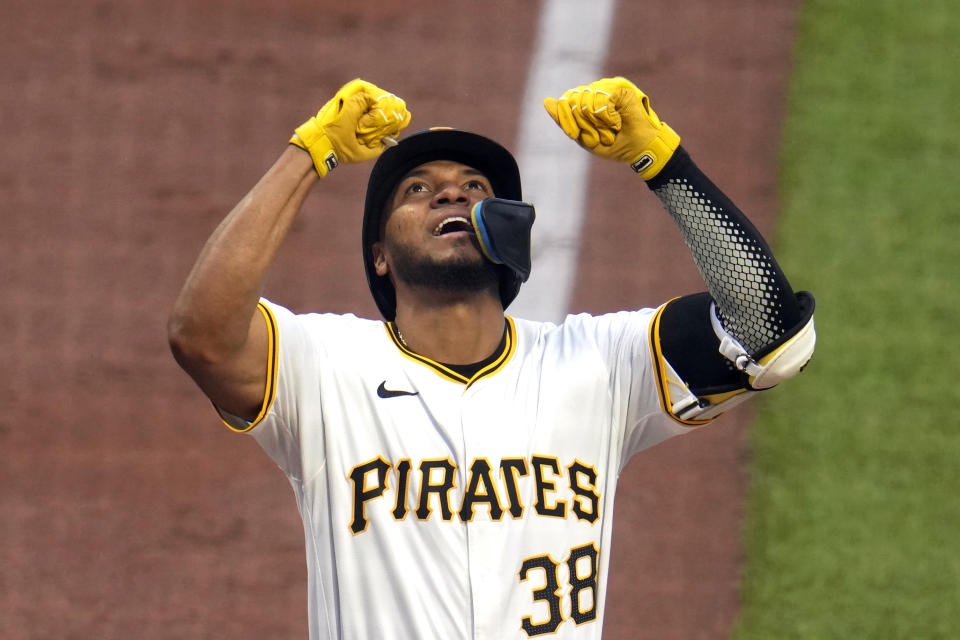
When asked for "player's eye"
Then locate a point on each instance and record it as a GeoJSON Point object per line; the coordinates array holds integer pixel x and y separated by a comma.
{"type": "Point", "coordinates": [416, 187]}
{"type": "Point", "coordinates": [475, 185]}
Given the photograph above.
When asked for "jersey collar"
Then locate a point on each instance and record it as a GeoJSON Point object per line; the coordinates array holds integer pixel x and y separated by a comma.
{"type": "Point", "coordinates": [491, 365]}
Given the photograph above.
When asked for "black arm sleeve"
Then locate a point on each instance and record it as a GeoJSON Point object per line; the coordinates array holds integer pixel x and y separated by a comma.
{"type": "Point", "coordinates": [754, 299]}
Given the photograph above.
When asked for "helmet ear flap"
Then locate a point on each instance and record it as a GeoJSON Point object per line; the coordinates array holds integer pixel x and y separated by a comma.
{"type": "Point", "coordinates": [503, 230]}
{"type": "Point", "coordinates": [509, 285]}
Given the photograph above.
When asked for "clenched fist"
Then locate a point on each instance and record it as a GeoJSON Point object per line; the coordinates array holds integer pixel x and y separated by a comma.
{"type": "Point", "coordinates": [352, 125]}
{"type": "Point", "coordinates": [613, 118]}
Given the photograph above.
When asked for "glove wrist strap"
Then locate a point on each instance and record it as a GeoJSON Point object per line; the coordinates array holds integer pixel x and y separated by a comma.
{"type": "Point", "coordinates": [658, 152]}
{"type": "Point", "coordinates": [311, 137]}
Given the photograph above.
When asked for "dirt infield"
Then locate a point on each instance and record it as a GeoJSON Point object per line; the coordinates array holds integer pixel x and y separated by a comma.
{"type": "Point", "coordinates": [130, 128]}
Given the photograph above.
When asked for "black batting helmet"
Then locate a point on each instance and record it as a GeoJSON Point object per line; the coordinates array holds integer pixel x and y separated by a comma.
{"type": "Point", "coordinates": [438, 143]}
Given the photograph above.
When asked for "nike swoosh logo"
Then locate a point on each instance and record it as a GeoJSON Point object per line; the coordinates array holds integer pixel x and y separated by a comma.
{"type": "Point", "coordinates": [383, 392]}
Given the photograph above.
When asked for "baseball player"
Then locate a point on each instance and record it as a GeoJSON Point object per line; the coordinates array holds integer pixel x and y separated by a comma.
{"type": "Point", "coordinates": [455, 467]}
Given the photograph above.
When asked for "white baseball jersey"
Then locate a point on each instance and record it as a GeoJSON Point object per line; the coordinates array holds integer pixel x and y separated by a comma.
{"type": "Point", "coordinates": [436, 506]}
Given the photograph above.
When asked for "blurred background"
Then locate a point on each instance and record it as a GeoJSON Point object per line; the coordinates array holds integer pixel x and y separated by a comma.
{"type": "Point", "coordinates": [130, 128]}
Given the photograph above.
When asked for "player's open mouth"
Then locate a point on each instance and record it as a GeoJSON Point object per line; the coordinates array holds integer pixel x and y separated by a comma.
{"type": "Point", "coordinates": [453, 224]}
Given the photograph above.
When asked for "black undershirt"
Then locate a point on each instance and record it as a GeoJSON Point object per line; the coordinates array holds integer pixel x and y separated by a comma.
{"type": "Point", "coordinates": [470, 370]}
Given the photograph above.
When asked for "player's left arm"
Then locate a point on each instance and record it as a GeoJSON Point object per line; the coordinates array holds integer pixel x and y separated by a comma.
{"type": "Point", "coordinates": [750, 330]}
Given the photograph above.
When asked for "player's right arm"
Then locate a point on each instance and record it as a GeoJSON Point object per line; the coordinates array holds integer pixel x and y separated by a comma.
{"type": "Point", "coordinates": [215, 331]}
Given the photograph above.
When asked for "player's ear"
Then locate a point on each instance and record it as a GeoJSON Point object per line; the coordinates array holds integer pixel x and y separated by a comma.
{"type": "Point", "coordinates": [379, 259]}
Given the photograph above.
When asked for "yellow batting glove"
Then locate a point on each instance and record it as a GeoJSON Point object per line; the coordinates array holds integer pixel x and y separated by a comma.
{"type": "Point", "coordinates": [613, 118]}
{"type": "Point", "coordinates": [357, 124]}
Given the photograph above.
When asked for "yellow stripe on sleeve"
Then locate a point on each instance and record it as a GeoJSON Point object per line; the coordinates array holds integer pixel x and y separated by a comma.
{"type": "Point", "coordinates": [270, 389]}
{"type": "Point", "coordinates": [660, 368]}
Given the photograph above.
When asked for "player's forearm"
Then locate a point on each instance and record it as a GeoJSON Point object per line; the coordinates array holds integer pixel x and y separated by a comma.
{"type": "Point", "coordinates": [755, 301]}
{"type": "Point", "coordinates": [212, 314]}
{"type": "Point", "coordinates": [613, 118]}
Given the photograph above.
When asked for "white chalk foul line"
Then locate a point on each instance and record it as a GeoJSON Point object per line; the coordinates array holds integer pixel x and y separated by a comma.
{"type": "Point", "coordinates": [570, 50]}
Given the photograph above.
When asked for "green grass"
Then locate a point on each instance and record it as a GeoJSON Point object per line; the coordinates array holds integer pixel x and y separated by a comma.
{"type": "Point", "coordinates": [853, 518]}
